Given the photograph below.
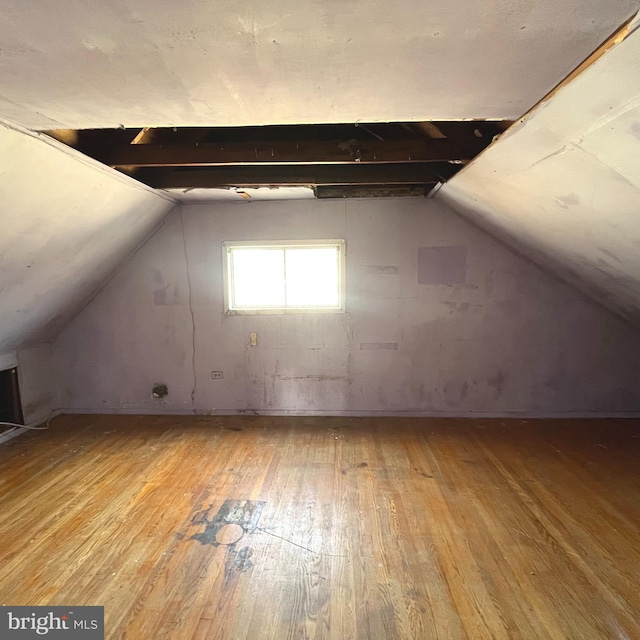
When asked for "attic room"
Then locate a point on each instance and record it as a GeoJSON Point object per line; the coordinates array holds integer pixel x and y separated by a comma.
{"type": "Point", "coordinates": [320, 320]}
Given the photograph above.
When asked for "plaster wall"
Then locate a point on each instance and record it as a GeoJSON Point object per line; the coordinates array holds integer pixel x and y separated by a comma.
{"type": "Point", "coordinates": [67, 223]}
{"type": "Point", "coordinates": [563, 186]}
{"type": "Point", "coordinates": [38, 391]}
{"type": "Point", "coordinates": [36, 380]}
{"type": "Point", "coordinates": [441, 320]}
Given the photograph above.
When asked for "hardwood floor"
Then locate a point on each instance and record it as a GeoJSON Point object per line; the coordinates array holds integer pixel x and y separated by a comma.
{"type": "Point", "coordinates": [252, 527]}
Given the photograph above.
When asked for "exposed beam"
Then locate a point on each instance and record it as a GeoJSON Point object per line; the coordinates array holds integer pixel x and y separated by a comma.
{"type": "Point", "coordinates": [144, 136]}
{"type": "Point", "coordinates": [274, 175]}
{"type": "Point", "coordinates": [430, 129]}
{"type": "Point", "coordinates": [66, 136]}
{"type": "Point", "coordinates": [285, 152]}
{"type": "Point", "coordinates": [372, 191]}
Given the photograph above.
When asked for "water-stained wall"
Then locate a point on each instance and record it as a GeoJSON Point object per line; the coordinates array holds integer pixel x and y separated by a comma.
{"type": "Point", "coordinates": [441, 319]}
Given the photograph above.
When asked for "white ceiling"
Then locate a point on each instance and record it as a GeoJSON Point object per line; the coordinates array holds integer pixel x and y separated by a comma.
{"type": "Point", "coordinates": [564, 186]}
{"type": "Point", "coordinates": [90, 63]}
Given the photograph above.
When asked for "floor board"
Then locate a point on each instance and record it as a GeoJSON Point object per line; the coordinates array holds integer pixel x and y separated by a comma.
{"type": "Point", "coordinates": [336, 528]}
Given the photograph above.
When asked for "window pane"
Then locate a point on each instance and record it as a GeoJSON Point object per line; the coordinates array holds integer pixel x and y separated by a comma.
{"type": "Point", "coordinates": [258, 277]}
{"type": "Point", "coordinates": [312, 277]}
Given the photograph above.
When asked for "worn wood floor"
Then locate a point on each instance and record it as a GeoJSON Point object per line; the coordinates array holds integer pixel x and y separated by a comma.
{"type": "Point", "coordinates": [254, 527]}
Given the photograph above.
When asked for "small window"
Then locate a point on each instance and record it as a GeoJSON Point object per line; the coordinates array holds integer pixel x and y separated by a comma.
{"type": "Point", "coordinates": [303, 276]}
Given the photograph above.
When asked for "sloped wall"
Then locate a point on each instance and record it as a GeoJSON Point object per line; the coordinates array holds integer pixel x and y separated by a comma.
{"type": "Point", "coordinates": [441, 320]}
{"type": "Point", "coordinates": [65, 225]}
{"type": "Point", "coordinates": [564, 186]}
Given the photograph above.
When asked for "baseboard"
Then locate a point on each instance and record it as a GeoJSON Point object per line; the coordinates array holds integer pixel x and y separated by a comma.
{"type": "Point", "coordinates": [523, 415]}
{"type": "Point", "coordinates": [12, 432]}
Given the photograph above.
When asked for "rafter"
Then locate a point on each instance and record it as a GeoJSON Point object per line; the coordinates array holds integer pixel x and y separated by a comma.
{"type": "Point", "coordinates": [282, 175]}
{"type": "Point", "coordinates": [285, 152]}
{"type": "Point", "coordinates": [392, 158]}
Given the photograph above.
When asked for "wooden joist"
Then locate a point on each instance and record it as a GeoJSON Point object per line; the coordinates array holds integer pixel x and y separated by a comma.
{"type": "Point", "coordinates": [297, 174]}
{"type": "Point", "coordinates": [288, 152]}
{"type": "Point", "coordinates": [381, 156]}
{"type": "Point", "coordinates": [373, 191]}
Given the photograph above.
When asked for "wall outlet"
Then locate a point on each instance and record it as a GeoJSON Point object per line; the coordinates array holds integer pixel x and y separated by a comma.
{"type": "Point", "coordinates": [217, 375]}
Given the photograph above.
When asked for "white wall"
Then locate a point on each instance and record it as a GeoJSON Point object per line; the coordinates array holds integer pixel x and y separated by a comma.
{"type": "Point", "coordinates": [67, 223]}
{"type": "Point", "coordinates": [487, 332]}
{"type": "Point", "coordinates": [564, 186]}
{"type": "Point", "coordinates": [103, 63]}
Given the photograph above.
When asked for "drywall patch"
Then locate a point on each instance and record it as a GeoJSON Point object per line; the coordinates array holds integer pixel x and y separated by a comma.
{"type": "Point", "coordinates": [442, 265]}
{"type": "Point", "coordinates": [378, 269]}
{"type": "Point", "coordinates": [378, 346]}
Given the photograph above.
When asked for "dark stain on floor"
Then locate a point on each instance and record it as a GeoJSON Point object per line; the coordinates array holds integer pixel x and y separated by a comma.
{"type": "Point", "coordinates": [240, 561]}
{"type": "Point", "coordinates": [244, 513]}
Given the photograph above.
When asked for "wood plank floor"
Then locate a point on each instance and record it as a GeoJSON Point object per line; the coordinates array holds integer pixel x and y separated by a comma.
{"type": "Point", "coordinates": [251, 527]}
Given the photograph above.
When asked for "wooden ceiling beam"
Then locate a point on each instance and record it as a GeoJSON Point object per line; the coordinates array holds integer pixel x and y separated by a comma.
{"type": "Point", "coordinates": [144, 136]}
{"type": "Point", "coordinates": [331, 191]}
{"type": "Point", "coordinates": [285, 152]}
{"type": "Point", "coordinates": [289, 175]}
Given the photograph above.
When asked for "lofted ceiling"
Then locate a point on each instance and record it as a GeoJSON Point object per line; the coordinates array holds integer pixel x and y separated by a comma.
{"type": "Point", "coordinates": [563, 185]}
{"type": "Point", "coordinates": [67, 224]}
{"type": "Point", "coordinates": [85, 64]}
{"type": "Point", "coordinates": [420, 89]}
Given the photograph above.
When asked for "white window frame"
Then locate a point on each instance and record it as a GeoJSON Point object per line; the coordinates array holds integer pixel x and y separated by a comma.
{"type": "Point", "coordinates": [227, 270]}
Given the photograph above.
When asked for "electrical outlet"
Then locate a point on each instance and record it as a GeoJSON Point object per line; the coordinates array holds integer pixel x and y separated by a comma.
{"type": "Point", "coordinates": [217, 375]}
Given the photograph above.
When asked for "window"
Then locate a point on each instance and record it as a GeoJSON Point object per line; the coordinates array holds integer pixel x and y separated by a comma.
{"type": "Point", "coordinates": [303, 276]}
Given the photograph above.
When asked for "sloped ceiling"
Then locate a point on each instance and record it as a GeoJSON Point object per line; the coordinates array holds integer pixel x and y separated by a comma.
{"type": "Point", "coordinates": [564, 185]}
{"type": "Point", "coordinates": [66, 224]}
{"type": "Point", "coordinates": [78, 64]}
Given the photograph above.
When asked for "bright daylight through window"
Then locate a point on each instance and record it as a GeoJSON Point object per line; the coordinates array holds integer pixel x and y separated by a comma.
{"type": "Point", "coordinates": [304, 276]}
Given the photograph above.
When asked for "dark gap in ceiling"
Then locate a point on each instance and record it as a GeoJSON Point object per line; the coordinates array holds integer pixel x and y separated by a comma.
{"type": "Point", "coordinates": [396, 158]}
{"type": "Point", "coordinates": [372, 191]}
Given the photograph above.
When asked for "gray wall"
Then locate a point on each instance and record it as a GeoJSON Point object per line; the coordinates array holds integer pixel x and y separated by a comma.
{"type": "Point", "coordinates": [38, 391]}
{"type": "Point", "coordinates": [36, 379]}
{"type": "Point", "coordinates": [441, 320]}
